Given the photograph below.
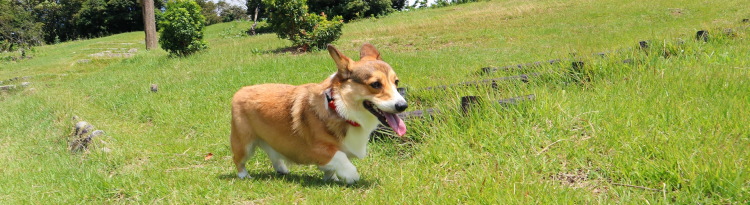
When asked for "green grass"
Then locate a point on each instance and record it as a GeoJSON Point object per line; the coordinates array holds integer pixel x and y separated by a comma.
{"type": "Point", "coordinates": [675, 124]}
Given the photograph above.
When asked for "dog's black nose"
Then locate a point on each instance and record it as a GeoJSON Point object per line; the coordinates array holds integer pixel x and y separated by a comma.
{"type": "Point", "coordinates": [401, 106]}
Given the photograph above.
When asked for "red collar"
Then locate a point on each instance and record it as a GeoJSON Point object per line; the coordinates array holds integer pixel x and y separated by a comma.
{"type": "Point", "coordinates": [332, 105]}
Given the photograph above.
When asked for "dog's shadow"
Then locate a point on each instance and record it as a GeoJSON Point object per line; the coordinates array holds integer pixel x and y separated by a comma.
{"type": "Point", "coordinates": [302, 179]}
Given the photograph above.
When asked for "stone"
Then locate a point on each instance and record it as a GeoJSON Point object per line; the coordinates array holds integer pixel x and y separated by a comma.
{"type": "Point", "coordinates": [82, 128]}
{"type": "Point", "coordinates": [7, 87]}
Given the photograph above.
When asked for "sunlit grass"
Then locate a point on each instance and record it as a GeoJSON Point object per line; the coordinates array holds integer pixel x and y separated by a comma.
{"type": "Point", "coordinates": [673, 127]}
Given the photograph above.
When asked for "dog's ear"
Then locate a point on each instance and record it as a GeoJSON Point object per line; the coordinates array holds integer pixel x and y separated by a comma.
{"type": "Point", "coordinates": [342, 62]}
{"type": "Point", "coordinates": [368, 52]}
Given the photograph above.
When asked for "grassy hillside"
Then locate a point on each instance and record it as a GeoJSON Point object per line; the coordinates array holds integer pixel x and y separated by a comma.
{"type": "Point", "coordinates": [661, 129]}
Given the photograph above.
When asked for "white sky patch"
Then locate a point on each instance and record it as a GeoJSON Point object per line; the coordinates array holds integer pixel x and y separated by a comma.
{"type": "Point", "coordinates": [241, 3]}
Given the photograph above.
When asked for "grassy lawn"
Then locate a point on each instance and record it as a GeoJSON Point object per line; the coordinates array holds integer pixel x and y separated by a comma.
{"type": "Point", "coordinates": [665, 128]}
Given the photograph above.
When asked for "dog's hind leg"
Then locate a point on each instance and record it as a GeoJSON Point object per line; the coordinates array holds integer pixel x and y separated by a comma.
{"type": "Point", "coordinates": [243, 143]}
{"type": "Point", "coordinates": [240, 160]}
{"type": "Point", "coordinates": [276, 158]}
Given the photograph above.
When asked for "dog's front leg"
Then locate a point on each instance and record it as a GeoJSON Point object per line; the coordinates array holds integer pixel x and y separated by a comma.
{"type": "Point", "coordinates": [342, 167]}
{"type": "Point", "coordinates": [330, 175]}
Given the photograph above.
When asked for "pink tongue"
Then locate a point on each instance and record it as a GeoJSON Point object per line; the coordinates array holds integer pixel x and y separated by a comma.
{"type": "Point", "coordinates": [396, 123]}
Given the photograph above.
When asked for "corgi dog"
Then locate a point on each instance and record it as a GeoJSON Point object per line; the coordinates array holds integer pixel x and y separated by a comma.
{"type": "Point", "coordinates": [323, 124]}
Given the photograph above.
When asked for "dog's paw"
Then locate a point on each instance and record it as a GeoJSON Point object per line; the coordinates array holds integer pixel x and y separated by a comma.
{"type": "Point", "coordinates": [330, 176]}
{"type": "Point", "coordinates": [281, 169]}
{"type": "Point", "coordinates": [340, 167]}
{"type": "Point", "coordinates": [243, 174]}
{"type": "Point", "coordinates": [348, 174]}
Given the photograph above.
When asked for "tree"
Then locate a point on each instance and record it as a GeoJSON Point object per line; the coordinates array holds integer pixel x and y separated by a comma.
{"type": "Point", "coordinates": [104, 17]}
{"type": "Point", "coordinates": [63, 20]}
{"type": "Point", "coordinates": [209, 10]}
{"type": "Point", "coordinates": [232, 13]}
{"type": "Point", "coordinates": [51, 13]}
{"type": "Point", "coordinates": [18, 30]}
{"type": "Point", "coordinates": [399, 5]}
{"type": "Point", "coordinates": [257, 9]}
{"type": "Point", "coordinates": [149, 24]}
{"type": "Point", "coordinates": [124, 16]}
{"type": "Point", "coordinates": [90, 20]}
{"type": "Point", "coordinates": [182, 28]}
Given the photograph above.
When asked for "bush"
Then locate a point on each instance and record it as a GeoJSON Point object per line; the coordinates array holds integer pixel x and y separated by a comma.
{"type": "Point", "coordinates": [182, 28]}
{"type": "Point", "coordinates": [323, 31]}
{"type": "Point", "coordinates": [289, 20]}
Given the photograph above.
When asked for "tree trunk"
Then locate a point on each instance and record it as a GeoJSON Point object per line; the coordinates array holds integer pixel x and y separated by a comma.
{"type": "Point", "coordinates": [149, 24]}
{"type": "Point", "coordinates": [255, 20]}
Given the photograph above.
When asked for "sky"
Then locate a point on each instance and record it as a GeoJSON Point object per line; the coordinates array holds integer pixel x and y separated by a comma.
{"type": "Point", "coordinates": [240, 3]}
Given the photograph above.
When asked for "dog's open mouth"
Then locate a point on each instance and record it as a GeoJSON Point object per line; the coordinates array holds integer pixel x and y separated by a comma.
{"type": "Point", "coordinates": [390, 119]}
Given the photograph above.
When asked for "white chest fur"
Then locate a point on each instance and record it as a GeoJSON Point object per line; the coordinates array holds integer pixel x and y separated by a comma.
{"type": "Point", "coordinates": [355, 142]}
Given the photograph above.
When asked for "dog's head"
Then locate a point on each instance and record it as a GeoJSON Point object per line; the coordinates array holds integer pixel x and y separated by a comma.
{"type": "Point", "coordinates": [370, 83]}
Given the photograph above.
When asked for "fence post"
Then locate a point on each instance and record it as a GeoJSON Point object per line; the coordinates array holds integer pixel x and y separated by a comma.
{"type": "Point", "coordinates": [467, 102]}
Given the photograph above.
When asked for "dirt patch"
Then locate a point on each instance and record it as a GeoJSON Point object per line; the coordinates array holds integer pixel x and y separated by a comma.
{"type": "Point", "coordinates": [110, 54]}
{"type": "Point", "coordinates": [580, 179]}
{"type": "Point", "coordinates": [115, 53]}
{"type": "Point", "coordinates": [676, 11]}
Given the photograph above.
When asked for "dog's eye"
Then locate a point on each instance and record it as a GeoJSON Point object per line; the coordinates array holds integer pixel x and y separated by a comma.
{"type": "Point", "coordinates": [376, 85]}
{"type": "Point", "coordinates": [396, 83]}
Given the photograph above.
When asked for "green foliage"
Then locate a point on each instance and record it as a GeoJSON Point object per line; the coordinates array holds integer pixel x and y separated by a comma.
{"type": "Point", "coordinates": [323, 30]}
{"type": "Point", "coordinates": [208, 9]}
{"type": "Point", "coordinates": [90, 20]}
{"type": "Point", "coordinates": [63, 20]}
{"type": "Point", "coordinates": [182, 28]}
{"type": "Point", "coordinates": [18, 30]}
{"type": "Point", "coordinates": [398, 5]}
{"type": "Point", "coordinates": [233, 13]}
{"type": "Point", "coordinates": [221, 11]}
{"type": "Point", "coordinates": [289, 20]}
{"type": "Point", "coordinates": [352, 9]}
{"type": "Point", "coordinates": [252, 5]}
{"type": "Point", "coordinates": [124, 16]}
{"type": "Point", "coordinates": [51, 13]}
{"type": "Point", "coordinates": [104, 17]}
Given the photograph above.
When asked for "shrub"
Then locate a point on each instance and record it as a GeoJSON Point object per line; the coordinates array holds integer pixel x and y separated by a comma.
{"type": "Point", "coordinates": [289, 20]}
{"type": "Point", "coordinates": [182, 28]}
{"type": "Point", "coordinates": [323, 31]}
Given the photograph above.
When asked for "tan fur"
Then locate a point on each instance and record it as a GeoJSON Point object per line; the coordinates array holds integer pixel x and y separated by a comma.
{"type": "Point", "coordinates": [295, 121]}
